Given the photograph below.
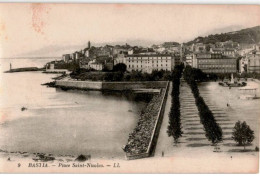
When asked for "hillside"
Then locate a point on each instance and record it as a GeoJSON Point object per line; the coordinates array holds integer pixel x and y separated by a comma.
{"type": "Point", "coordinates": [246, 36]}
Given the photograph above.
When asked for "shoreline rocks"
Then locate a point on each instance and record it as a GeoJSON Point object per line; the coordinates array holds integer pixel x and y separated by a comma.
{"type": "Point", "coordinates": [139, 139]}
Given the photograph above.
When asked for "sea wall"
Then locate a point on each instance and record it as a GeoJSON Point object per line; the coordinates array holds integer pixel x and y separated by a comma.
{"type": "Point", "coordinates": [133, 85]}
{"type": "Point", "coordinates": [79, 84]}
{"type": "Point", "coordinates": [156, 129]}
{"type": "Point", "coordinates": [118, 86]}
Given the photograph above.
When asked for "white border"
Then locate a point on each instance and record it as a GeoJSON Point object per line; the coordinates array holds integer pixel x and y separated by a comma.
{"type": "Point", "coordinates": [144, 1]}
{"type": "Point", "coordinates": [135, 2]}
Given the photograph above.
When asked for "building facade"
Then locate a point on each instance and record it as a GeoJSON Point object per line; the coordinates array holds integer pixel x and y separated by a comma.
{"type": "Point", "coordinates": [216, 63]}
{"type": "Point", "coordinates": [148, 63]}
{"type": "Point", "coordinates": [253, 65]}
{"type": "Point", "coordinates": [94, 64]}
{"type": "Point", "coordinates": [189, 59]}
{"type": "Point", "coordinates": [66, 57]}
{"type": "Point", "coordinates": [243, 62]}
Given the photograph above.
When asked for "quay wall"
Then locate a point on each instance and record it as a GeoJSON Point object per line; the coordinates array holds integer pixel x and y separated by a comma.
{"type": "Point", "coordinates": [133, 85]}
{"type": "Point", "coordinates": [79, 84]}
{"type": "Point", "coordinates": [156, 130]}
{"type": "Point", "coordinates": [118, 86]}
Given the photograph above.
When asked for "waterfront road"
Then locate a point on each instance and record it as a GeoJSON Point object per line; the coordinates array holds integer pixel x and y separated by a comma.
{"type": "Point", "coordinates": [165, 143]}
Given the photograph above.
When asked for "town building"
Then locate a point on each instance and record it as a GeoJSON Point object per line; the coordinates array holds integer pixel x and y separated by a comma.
{"type": "Point", "coordinates": [120, 58]}
{"type": "Point", "coordinates": [243, 62]}
{"type": "Point", "coordinates": [50, 68]}
{"type": "Point", "coordinates": [215, 63]}
{"type": "Point", "coordinates": [227, 52]}
{"type": "Point", "coordinates": [100, 63]}
{"type": "Point", "coordinates": [94, 64]}
{"type": "Point", "coordinates": [253, 65]}
{"type": "Point", "coordinates": [188, 59]}
{"type": "Point", "coordinates": [120, 49]}
{"type": "Point", "coordinates": [66, 58]}
{"type": "Point", "coordinates": [148, 63]}
{"type": "Point", "coordinates": [198, 47]}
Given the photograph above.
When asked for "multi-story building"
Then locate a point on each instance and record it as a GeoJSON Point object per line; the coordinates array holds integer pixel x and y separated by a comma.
{"type": "Point", "coordinates": [94, 64]}
{"type": "Point", "coordinates": [148, 63]}
{"type": "Point", "coordinates": [243, 62]}
{"type": "Point", "coordinates": [100, 63]}
{"type": "Point", "coordinates": [253, 65]}
{"type": "Point", "coordinates": [216, 50]}
{"type": "Point", "coordinates": [66, 57]}
{"type": "Point", "coordinates": [198, 47]}
{"type": "Point", "coordinates": [215, 63]}
{"type": "Point", "coordinates": [78, 55]}
{"type": "Point", "coordinates": [188, 59]}
{"type": "Point", "coordinates": [227, 52]}
{"type": "Point", "coordinates": [120, 58]}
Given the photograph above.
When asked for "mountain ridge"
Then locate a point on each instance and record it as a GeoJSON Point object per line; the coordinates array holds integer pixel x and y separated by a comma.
{"type": "Point", "coordinates": [244, 36]}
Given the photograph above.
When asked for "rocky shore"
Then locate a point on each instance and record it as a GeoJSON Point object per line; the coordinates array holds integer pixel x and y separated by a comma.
{"type": "Point", "coordinates": [140, 138]}
{"type": "Point", "coordinates": [41, 157]}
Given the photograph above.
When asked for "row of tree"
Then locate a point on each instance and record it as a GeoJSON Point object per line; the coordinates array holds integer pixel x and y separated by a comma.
{"type": "Point", "coordinates": [123, 76]}
{"type": "Point", "coordinates": [174, 127]}
{"type": "Point", "coordinates": [211, 127]}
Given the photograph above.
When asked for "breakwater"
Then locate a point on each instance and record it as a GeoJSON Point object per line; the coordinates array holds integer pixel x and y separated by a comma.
{"type": "Point", "coordinates": [142, 141]}
{"type": "Point", "coordinates": [23, 69]}
{"type": "Point", "coordinates": [117, 86]}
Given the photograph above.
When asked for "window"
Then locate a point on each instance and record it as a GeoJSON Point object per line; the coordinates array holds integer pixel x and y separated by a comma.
{"type": "Point", "coordinates": [129, 66]}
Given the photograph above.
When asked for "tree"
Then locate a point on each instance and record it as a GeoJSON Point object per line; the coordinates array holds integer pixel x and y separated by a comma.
{"type": "Point", "coordinates": [207, 47]}
{"type": "Point", "coordinates": [120, 67]}
{"type": "Point", "coordinates": [242, 134]}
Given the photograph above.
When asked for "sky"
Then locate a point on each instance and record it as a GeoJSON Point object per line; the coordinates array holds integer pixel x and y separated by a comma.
{"type": "Point", "coordinates": [51, 29]}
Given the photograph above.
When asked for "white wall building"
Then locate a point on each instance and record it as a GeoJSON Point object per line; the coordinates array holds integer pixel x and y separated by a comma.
{"type": "Point", "coordinates": [148, 63]}
{"type": "Point", "coordinates": [243, 65]}
{"type": "Point", "coordinates": [95, 65]}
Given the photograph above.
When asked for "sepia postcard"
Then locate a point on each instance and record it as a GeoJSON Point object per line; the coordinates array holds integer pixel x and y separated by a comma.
{"type": "Point", "coordinates": [129, 88]}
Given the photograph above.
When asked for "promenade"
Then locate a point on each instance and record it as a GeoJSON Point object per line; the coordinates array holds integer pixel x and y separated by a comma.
{"type": "Point", "coordinates": [193, 133]}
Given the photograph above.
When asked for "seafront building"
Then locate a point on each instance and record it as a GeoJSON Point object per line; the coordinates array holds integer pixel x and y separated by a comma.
{"type": "Point", "coordinates": [220, 57]}
{"type": "Point", "coordinates": [66, 57]}
{"type": "Point", "coordinates": [148, 63]}
{"type": "Point", "coordinates": [215, 63]}
{"type": "Point", "coordinates": [188, 59]}
{"type": "Point", "coordinates": [253, 65]}
{"type": "Point", "coordinates": [243, 63]}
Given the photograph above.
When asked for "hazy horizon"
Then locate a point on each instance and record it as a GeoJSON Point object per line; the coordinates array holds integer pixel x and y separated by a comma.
{"type": "Point", "coordinates": [49, 30]}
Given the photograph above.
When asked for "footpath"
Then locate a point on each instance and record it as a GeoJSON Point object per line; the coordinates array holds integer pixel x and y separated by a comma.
{"type": "Point", "coordinates": [193, 132]}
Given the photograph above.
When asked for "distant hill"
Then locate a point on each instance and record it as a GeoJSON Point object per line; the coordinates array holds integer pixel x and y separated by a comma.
{"type": "Point", "coordinates": [245, 36]}
{"type": "Point", "coordinates": [58, 50]}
